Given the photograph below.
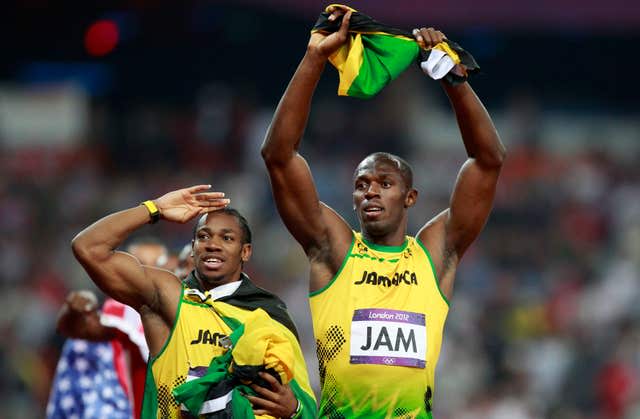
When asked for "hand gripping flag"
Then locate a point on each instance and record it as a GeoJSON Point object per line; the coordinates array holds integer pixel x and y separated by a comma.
{"type": "Point", "coordinates": [375, 54]}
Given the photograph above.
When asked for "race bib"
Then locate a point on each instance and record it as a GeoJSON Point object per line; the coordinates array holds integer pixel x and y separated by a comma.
{"type": "Point", "coordinates": [388, 337]}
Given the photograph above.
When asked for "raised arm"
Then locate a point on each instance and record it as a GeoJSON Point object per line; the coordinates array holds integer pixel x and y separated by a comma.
{"type": "Point", "coordinates": [474, 191]}
{"type": "Point", "coordinates": [119, 274]}
{"type": "Point", "coordinates": [309, 221]}
{"type": "Point", "coordinates": [449, 235]}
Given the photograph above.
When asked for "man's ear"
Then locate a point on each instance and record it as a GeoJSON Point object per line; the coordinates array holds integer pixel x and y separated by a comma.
{"type": "Point", "coordinates": [245, 253]}
{"type": "Point", "coordinates": [411, 198]}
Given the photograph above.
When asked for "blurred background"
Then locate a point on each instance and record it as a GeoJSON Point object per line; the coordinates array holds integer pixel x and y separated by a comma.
{"type": "Point", "coordinates": [105, 104]}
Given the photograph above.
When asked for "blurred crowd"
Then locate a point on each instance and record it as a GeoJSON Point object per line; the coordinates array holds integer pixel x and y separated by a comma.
{"type": "Point", "coordinates": [545, 319]}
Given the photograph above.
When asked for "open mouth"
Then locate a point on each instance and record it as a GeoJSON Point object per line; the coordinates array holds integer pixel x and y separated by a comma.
{"type": "Point", "coordinates": [212, 262]}
{"type": "Point", "coordinates": [372, 212]}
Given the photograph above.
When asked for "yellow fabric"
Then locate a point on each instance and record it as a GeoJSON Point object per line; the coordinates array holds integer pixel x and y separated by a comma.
{"type": "Point", "coordinates": [264, 344]}
{"type": "Point", "coordinates": [444, 47]}
{"type": "Point", "coordinates": [196, 339]}
{"type": "Point", "coordinates": [186, 348]}
{"type": "Point", "coordinates": [348, 60]}
{"type": "Point", "coordinates": [377, 278]}
{"type": "Point", "coordinates": [328, 8]}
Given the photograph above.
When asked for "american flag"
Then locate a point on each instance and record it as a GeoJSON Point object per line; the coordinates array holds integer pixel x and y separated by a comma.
{"type": "Point", "coordinates": [98, 379]}
{"type": "Point", "coordinates": [86, 385]}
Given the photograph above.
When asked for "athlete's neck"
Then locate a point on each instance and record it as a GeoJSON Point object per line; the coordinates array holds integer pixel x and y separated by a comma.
{"type": "Point", "coordinates": [396, 238]}
{"type": "Point", "coordinates": [207, 285]}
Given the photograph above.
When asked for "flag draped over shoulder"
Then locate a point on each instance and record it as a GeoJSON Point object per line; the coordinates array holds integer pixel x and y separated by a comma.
{"type": "Point", "coordinates": [265, 340]}
{"type": "Point", "coordinates": [375, 54]}
{"type": "Point", "coordinates": [253, 346]}
{"type": "Point", "coordinates": [249, 296]}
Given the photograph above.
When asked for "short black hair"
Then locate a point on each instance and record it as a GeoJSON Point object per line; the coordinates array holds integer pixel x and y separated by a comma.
{"type": "Point", "coordinates": [244, 224]}
{"type": "Point", "coordinates": [405, 169]}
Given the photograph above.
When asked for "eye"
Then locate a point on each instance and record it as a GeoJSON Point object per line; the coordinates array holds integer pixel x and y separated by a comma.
{"type": "Point", "coordinates": [227, 238]}
{"type": "Point", "coordinates": [386, 184]}
{"type": "Point", "coordinates": [360, 186]}
{"type": "Point", "coordinates": [203, 236]}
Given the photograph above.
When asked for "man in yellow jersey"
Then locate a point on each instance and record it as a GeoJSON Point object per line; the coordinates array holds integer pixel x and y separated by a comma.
{"type": "Point", "coordinates": [188, 325]}
{"type": "Point", "coordinates": [379, 298]}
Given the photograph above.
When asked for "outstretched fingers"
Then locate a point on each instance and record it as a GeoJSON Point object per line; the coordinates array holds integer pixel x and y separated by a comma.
{"type": "Point", "coordinates": [211, 201]}
{"type": "Point", "coordinates": [198, 188]}
{"type": "Point", "coordinates": [207, 201]}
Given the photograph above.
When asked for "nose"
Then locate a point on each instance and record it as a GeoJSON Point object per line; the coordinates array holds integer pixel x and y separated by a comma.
{"type": "Point", "coordinates": [372, 191]}
{"type": "Point", "coordinates": [212, 244]}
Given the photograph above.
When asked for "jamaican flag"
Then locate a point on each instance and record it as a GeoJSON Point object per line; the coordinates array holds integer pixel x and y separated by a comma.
{"type": "Point", "coordinates": [255, 345]}
{"type": "Point", "coordinates": [375, 54]}
{"type": "Point", "coordinates": [263, 338]}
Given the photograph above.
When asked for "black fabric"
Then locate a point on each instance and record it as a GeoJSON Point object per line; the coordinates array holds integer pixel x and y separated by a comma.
{"type": "Point", "coordinates": [249, 296]}
{"type": "Point", "coordinates": [359, 23]}
{"type": "Point", "coordinates": [216, 390]}
{"type": "Point", "coordinates": [249, 373]}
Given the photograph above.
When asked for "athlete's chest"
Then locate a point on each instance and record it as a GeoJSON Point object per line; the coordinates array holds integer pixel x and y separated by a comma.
{"type": "Point", "coordinates": [200, 327]}
{"type": "Point", "coordinates": [371, 274]}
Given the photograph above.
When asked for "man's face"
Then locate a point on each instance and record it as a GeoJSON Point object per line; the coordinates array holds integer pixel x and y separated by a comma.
{"type": "Point", "coordinates": [380, 196]}
{"type": "Point", "coordinates": [218, 252]}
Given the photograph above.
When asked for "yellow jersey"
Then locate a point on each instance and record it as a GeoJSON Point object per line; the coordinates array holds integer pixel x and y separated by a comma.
{"type": "Point", "coordinates": [200, 333]}
{"type": "Point", "coordinates": [378, 327]}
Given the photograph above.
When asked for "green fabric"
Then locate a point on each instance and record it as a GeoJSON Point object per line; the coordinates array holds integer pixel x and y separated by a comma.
{"type": "Point", "coordinates": [193, 393]}
{"type": "Point", "coordinates": [240, 405]}
{"type": "Point", "coordinates": [150, 398]}
{"type": "Point", "coordinates": [385, 58]}
{"type": "Point", "coordinates": [309, 410]}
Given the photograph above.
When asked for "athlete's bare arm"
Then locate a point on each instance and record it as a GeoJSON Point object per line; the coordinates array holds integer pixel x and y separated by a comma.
{"type": "Point", "coordinates": [323, 234]}
{"type": "Point", "coordinates": [79, 318]}
{"type": "Point", "coordinates": [451, 232]}
{"type": "Point", "coordinates": [119, 274]}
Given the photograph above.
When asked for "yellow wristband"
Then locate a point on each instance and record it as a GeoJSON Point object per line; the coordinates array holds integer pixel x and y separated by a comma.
{"type": "Point", "coordinates": [154, 212]}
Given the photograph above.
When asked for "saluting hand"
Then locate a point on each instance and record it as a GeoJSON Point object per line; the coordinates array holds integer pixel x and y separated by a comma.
{"type": "Point", "coordinates": [184, 204]}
